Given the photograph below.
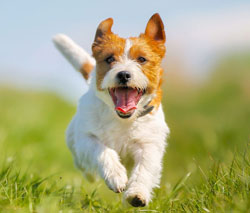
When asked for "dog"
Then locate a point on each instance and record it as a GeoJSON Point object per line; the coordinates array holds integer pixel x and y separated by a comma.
{"type": "Point", "coordinates": [121, 113]}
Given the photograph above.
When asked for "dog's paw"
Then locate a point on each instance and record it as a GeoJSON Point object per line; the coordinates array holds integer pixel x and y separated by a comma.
{"type": "Point", "coordinates": [137, 196]}
{"type": "Point", "coordinates": [137, 201]}
{"type": "Point", "coordinates": [117, 179]}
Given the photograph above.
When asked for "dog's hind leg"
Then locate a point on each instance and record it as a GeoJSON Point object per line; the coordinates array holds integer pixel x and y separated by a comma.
{"type": "Point", "coordinates": [92, 155]}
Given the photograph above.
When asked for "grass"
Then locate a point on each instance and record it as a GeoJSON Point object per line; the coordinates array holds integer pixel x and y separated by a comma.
{"type": "Point", "coordinates": [222, 189]}
{"type": "Point", "coordinates": [206, 167]}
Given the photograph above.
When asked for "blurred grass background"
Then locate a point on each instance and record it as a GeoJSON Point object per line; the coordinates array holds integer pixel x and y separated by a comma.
{"type": "Point", "coordinates": [210, 128]}
{"type": "Point", "coordinates": [208, 119]}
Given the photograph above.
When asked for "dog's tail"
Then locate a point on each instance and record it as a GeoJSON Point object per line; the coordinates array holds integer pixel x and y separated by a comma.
{"type": "Point", "coordinates": [77, 56]}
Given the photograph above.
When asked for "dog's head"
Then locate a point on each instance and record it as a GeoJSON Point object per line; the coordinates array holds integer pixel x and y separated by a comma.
{"type": "Point", "coordinates": [128, 71]}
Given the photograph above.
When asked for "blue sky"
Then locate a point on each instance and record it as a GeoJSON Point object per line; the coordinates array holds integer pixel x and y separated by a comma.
{"type": "Point", "coordinates": [195, 30]}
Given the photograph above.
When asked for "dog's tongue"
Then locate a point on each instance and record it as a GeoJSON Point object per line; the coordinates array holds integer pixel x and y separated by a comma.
{"type": "Point", "coordinates": [126, 99]}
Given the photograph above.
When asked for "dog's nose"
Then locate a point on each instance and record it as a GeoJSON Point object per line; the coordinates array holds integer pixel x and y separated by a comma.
{"type": "Point", "coordinates": [123, 77]}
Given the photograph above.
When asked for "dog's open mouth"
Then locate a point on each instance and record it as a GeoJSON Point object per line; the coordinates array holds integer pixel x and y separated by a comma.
{"type": "Point", "coordinates": [125, 100]}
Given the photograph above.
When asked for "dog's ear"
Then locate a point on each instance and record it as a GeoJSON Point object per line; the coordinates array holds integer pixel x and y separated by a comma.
{"type": "Point", "coordinates": [103, 28]}
{"type": "Point", "coordinates": [155, 28]}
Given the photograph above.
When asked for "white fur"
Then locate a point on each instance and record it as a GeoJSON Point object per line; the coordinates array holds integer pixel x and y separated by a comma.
{"type": "Point", "coordinates": [128, 45]}
{"type": "Point", "coordinates": [97, 137]}
{"type": "Point", "coordinates": [72, 52]}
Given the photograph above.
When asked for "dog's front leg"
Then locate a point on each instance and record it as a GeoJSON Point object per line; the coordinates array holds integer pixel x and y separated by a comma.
{"type": "Point", "coordinates": [146, 173]}
{"type": "Point", "coordinates": [90, 152]}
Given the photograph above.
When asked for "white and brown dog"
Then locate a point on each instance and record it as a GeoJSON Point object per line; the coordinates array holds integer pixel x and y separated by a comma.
{"type": "Point", "coordinates": [121, 112]}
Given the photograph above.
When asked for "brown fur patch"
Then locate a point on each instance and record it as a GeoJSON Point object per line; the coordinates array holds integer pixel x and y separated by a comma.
{"type": "Point", "coordinates": [86, 70]}
{"type": "Point", "coordinates": [108, 45]}
{"type": "Point", "coordinates": [157, 99]}
{"type": "Point", "coordinates": [153, 52]}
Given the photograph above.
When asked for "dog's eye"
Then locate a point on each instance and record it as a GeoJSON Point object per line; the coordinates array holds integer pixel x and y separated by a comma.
{"type": "Point", "coordinates": [110, 59]}
{"type": "Point", "coordinates": [141, 59]}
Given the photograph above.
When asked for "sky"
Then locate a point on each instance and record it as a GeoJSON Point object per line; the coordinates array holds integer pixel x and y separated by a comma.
{"type": "Point", "coordinates": [198, 33]}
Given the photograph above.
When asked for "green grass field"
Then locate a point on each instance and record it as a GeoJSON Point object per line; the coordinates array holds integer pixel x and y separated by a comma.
{"type": "Point", "coordinates": [206, 166]}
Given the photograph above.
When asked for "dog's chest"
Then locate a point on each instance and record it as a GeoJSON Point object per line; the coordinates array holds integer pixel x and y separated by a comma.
{"type": "Point", "coordinates": [116, 134]}
{"type": "Point", "coordinates": [121, 135]}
